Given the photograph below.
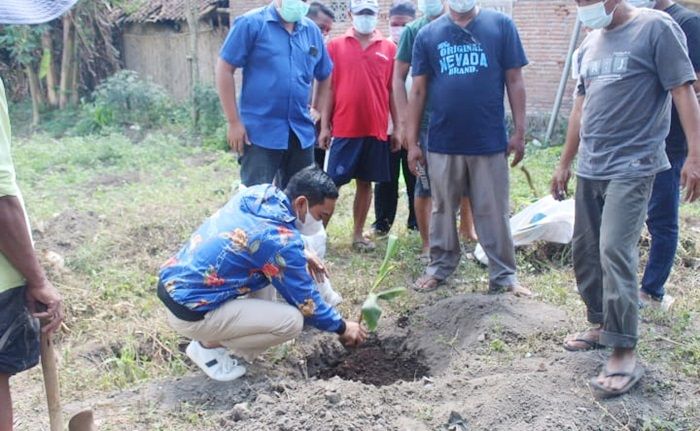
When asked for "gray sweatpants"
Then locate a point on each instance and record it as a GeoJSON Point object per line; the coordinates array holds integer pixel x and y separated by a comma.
{"type": "Point", "coordinates": [485, 180]}
{"type": "Point", "coordinates": [609, 219]}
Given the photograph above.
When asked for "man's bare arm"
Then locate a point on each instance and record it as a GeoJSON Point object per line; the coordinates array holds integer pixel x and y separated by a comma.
{"type": "Point", "coordinates": [689, 113]}
{"type": "Point", "coordinates": [16, 246]}
{"type": "Point", "coordinates": [325, 104]}
{"type": "Point", "coordinates": [515, 85]}
{"type": "Point", "coordinates": [400, 98]}
{"type": "Point", "coordinates": [562, 173]}
{"type": "Point", "coordinates": [416, 104]}
{"type": "Point", "coordinates": [226, 88]}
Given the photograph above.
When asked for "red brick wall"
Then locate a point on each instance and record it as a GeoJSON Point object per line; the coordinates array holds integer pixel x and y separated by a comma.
{"type": "Point", "coordinates": [545, 27]}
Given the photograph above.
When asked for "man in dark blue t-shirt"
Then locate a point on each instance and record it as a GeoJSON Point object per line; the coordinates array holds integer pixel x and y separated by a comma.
{"type": "Point", "coordinates": [465, 60]}
{"type": "Point", "coordinates": [662, 215]}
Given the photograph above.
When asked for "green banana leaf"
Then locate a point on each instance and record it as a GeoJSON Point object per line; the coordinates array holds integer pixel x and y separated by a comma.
{"type": "Point", "coordinates": [371, 311]}
{"type": "Point", "coordinates": [390, 294]}
{"type": "Point", "coordinates": [391, 247]}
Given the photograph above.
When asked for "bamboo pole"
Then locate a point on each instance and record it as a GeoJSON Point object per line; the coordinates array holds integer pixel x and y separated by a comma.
{"type": "Point", "coordinates": [47, 46]}
{"type": "Point", "coordinates": [66, 60]}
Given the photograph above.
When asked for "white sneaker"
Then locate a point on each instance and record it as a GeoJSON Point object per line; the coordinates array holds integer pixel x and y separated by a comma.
{"type": "Point", "coordinates": [664, 305]}
{"type": "Point", "coordinates": [667, 302]}
{"type": "Point", "coordinates": [216, 363]}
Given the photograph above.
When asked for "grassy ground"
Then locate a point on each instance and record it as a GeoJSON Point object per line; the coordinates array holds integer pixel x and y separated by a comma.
{"type": "Point", "coordinates": [115, 209]}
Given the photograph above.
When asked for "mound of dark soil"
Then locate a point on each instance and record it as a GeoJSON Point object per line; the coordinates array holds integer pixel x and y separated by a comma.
{"type": "Point", "coordinates": [378, 362]}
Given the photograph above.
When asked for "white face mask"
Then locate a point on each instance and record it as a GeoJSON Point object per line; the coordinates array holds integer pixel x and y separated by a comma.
{"type": "Point", "coordinates": [364, 24]}
{"type": "Point", "coordinates": [430, 8]}
{"type": "Point", "coordinates": [310, 226]}
{"type": "Point", "coordinates": [461, 6]}
{"type": "Point", "coordinates": [396, 32]}
{"type": "Point", "coordinates": [594, 16]}
{"type": "Point", "coordinates": [642, 3]}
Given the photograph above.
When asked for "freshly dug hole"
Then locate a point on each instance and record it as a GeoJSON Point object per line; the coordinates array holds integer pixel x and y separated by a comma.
{"type": "Point", "coordinates": [378, 362]}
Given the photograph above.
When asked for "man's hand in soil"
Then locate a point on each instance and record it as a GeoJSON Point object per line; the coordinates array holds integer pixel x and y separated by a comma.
{"type": "Point", "coordinates": [237, 137]}
{"type": "Point", "coordinates": [354, 334]}
{"type": "Point", "coordinates": [45, 303]}
{"type": "Point", "coordinates": [317, 269]}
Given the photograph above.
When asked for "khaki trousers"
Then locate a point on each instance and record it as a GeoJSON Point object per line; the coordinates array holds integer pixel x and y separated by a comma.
{"type": "Point", "coordinates": [485, 180]}
{"type": "Point", "coordinates": [246, 326]}
{"type": "Point", "coordinates": [610, 215]}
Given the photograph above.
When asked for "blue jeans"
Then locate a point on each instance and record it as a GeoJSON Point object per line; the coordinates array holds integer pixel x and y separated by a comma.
{"type": "Point", "coordinates": [662, 222]}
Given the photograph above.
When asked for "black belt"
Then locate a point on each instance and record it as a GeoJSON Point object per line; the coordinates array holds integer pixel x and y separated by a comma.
{"type": "Point", "coordinates": [179, 310]}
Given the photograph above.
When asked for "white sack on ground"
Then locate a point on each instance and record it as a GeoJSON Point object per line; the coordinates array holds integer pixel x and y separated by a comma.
{"type": "Point", "coordinates": [545, 220]}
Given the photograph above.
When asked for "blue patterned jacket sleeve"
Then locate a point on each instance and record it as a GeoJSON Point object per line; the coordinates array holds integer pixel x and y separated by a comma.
{"type": "Point", "coordinates": [292, 280]}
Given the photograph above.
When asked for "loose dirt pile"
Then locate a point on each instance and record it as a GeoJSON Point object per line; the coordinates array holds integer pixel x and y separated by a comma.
{"type": "Point", "coordinates": [495, 361]}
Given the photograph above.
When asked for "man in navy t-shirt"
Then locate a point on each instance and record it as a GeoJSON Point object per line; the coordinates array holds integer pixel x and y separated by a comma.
{"type": "Point", "coordinates": [662, 215]}
{"type": "Point", "coordinates": [465, 60]}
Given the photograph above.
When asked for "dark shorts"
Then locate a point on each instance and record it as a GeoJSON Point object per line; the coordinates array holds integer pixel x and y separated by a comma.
{"type": "Point", "coordinates": [19, 333]}
{"type": "Point", "coordinates": [365, 159]}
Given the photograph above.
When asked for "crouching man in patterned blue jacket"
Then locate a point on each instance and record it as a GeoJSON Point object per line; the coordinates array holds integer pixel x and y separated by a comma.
{"type": "Point", "coordinates": [217, 287]}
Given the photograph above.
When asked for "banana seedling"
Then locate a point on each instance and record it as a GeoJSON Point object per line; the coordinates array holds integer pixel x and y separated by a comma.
{"type": "Point", "coordinates": [371, 311]}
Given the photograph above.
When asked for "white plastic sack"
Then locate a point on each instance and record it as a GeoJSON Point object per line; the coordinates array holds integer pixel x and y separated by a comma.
{"type": "Point", "coordinates": [317, 242]}
{"type": "Point", "coordinates": [545, 220]}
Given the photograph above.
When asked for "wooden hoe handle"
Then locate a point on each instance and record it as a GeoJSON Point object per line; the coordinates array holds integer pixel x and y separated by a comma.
{"type": "Point", "coordinates": [53, 392]}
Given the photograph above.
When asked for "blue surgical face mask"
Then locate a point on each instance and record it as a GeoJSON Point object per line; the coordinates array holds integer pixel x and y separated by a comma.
{"type": "Point", "coordinates": [461, 6]}
{"type": "Point", "coordinates": [430, 8]}
{"type": "Point", "coordinates": [364, 24]}
{"type": "Point", "coordinates": [594, 16]}
{"type": "Point", "coordinates": [293, 10]}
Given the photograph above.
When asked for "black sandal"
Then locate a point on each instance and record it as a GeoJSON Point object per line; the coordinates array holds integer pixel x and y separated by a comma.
{"type": "Point", "coordinates": [634, 377]}
{"type": "Point", "coordinates": [590, 345]}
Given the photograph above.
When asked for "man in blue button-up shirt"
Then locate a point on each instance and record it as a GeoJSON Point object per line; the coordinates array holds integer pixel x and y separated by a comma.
{"type": "Point", "coordinates": [280, 52]}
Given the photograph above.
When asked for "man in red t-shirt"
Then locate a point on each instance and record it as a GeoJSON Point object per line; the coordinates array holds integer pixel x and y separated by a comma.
{"type": "Point", "coordinates": [359, 112]}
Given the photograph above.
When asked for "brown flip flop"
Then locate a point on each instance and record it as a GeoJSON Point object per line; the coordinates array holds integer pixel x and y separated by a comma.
{"type": "Point", "coordinates": [427, 283]}
{"type": "Point", "coordinates": [589, 344]}
{"type": "Point", "coordinates": [634, 377]}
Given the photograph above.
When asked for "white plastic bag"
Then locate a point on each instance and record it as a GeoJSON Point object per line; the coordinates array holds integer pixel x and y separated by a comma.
{"type": "Point", "coordinates": [317, 242]}
{"type": "Point", "coordinates": [545, 220]}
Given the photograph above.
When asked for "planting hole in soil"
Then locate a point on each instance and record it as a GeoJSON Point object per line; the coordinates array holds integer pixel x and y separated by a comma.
{"type": "Point", "coordinates": [378, 362]}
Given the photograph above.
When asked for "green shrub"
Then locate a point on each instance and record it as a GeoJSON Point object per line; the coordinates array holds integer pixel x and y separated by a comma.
{"type": "Point", "coordinates": [210, 116]}
{"type": "Point", "coordinates": [125, 100]}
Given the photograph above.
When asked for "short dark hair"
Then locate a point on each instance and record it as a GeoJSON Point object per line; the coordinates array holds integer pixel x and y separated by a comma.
{"type": "Point", "coordinates": [313, 183]}
{"type": "Point", "coordinates": [316, 6]}
{"type": "Point", "coordinates": [403, 7]}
